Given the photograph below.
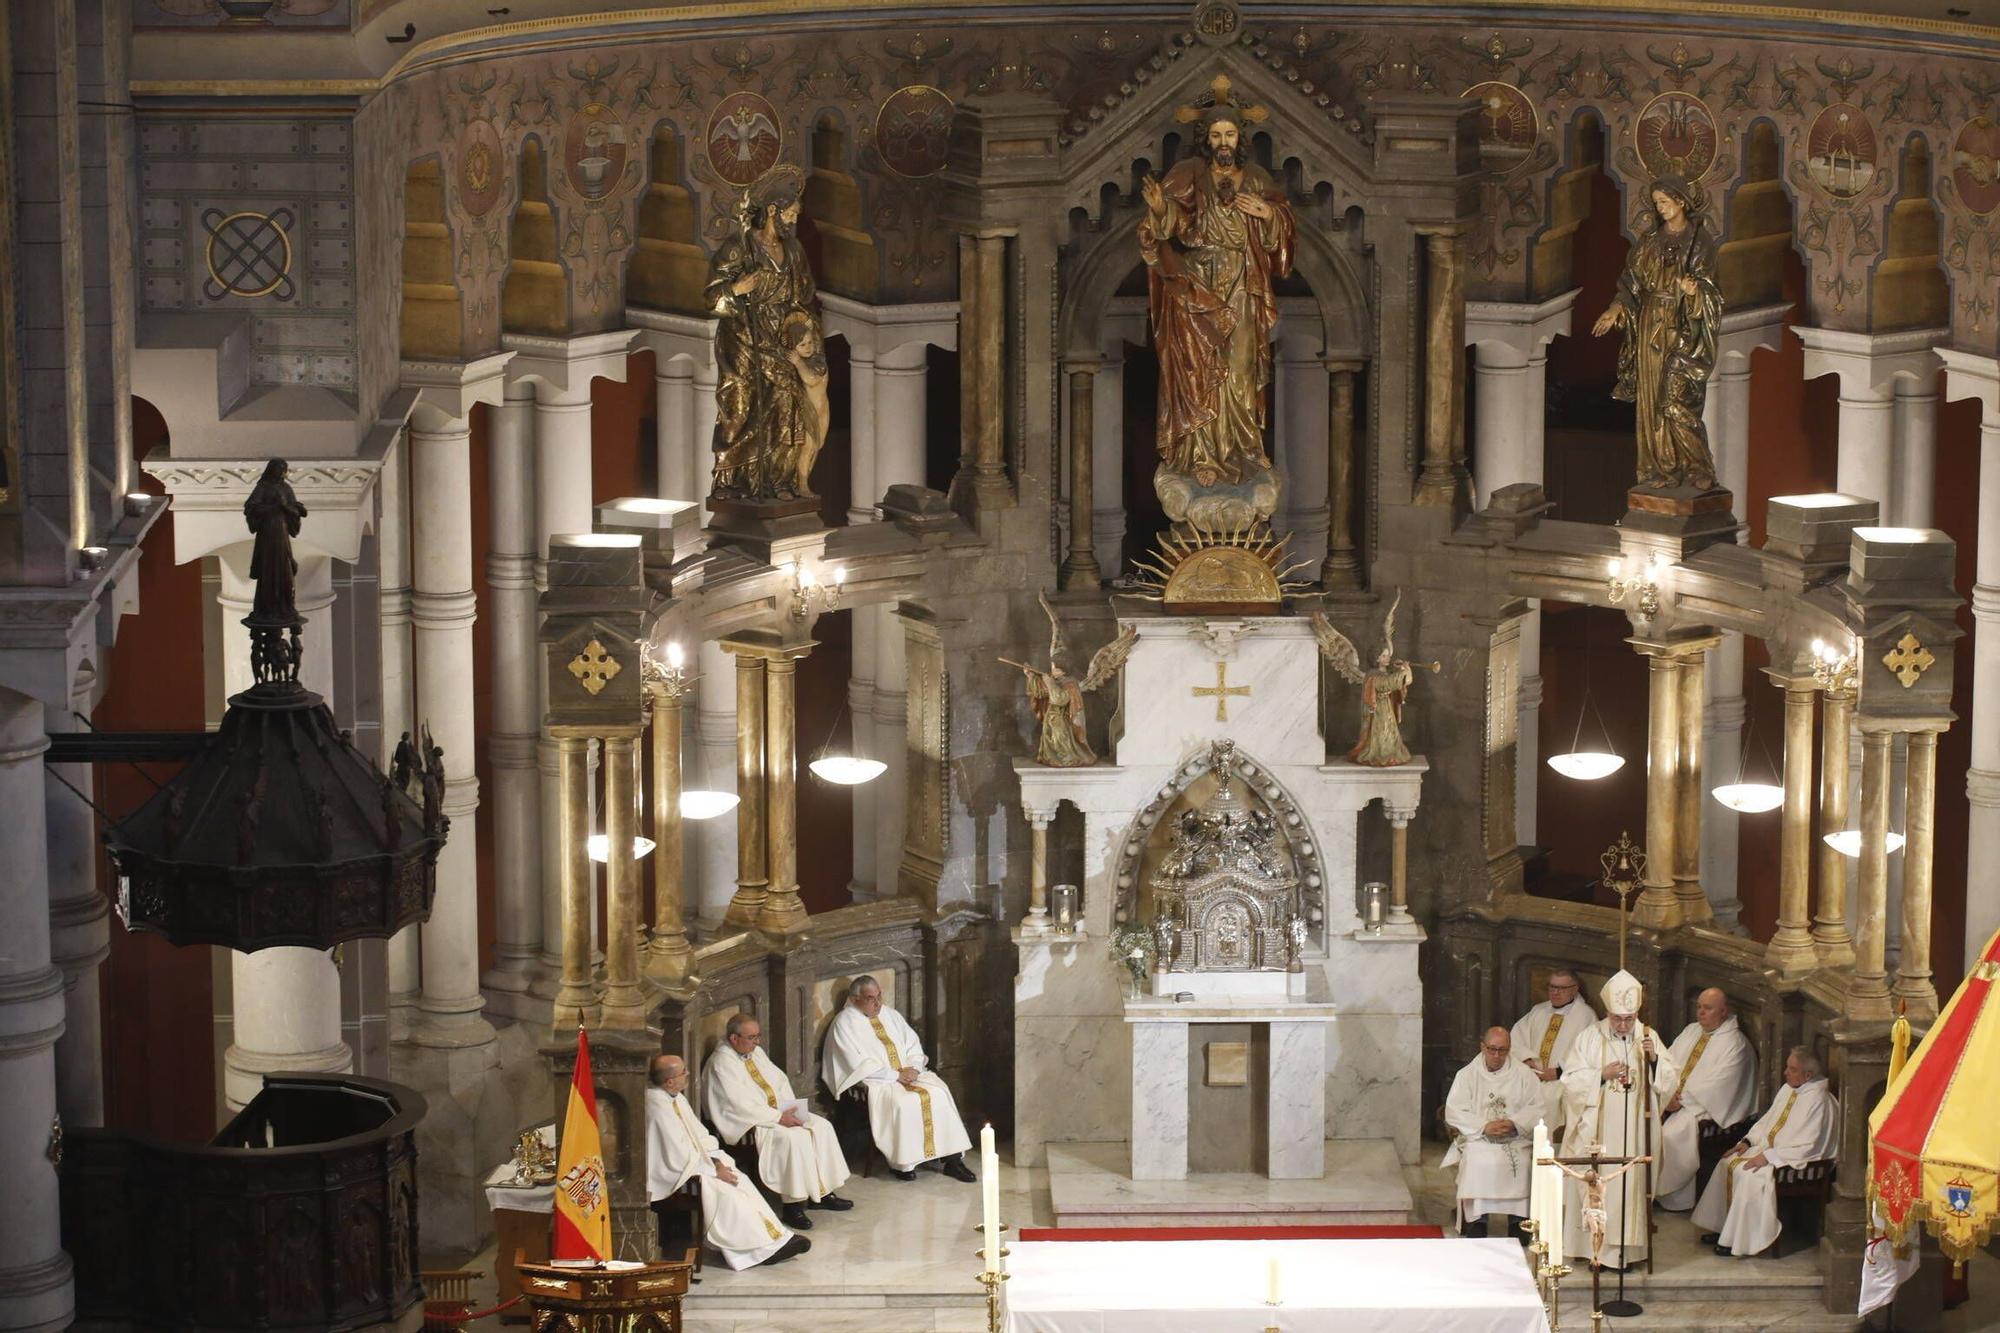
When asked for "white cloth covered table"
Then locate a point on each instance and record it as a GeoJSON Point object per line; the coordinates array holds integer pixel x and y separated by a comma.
{"type": "Point", "coordinates": [1219, 1286]}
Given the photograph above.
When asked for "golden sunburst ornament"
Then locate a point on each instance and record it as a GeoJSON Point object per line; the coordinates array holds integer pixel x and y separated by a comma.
{"type": "Point", "coordinates": [1241, 571]}
{"type": "Point", "coordinates": [1218, 95]}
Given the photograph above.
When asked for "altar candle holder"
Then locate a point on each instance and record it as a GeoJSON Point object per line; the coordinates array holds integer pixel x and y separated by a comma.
{"type": "Point", "coordinates": [1372, 896]}
{"type": "Point", "coordinates": [1062, 901]}
{"type": "Point", "coordinates": [992, 1281]}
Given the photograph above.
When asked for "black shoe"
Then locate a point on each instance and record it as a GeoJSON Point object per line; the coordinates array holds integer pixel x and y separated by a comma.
{"type": "Point", "coordinates": [833, 1203]}
{"type": "Point", "coordinates": [1725, 1252]}
{"type": "Point", "coordinates": [902, 1175]}
{"type": "Point", "coordinates": [956, 1168]}
{"type": "Point", "coordinates": [791, 1249]}
{"type": "Point", "coordinates": [1710, 1237]}
{"type": "Point", "coordinates": [795, 1217]}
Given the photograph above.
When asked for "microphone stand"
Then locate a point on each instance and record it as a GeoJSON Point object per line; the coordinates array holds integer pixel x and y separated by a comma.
{"type": "Point", "coordinates": [1621, 1307]}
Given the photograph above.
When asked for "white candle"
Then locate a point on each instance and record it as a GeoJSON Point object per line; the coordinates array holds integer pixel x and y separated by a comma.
{"type": "Point", "coordinates": [989, 1189]}
{"type": "Point", "coordinates": [1272, 1274]}
{"type": "Point", "coordinates": [1538, 1182]}
{"type": "Point", "coordinates": [1558, 1189]}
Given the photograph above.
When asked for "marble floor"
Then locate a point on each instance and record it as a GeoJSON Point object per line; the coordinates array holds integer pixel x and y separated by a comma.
{"type": "Point", "coordinates": [905, 1261]}
{"type": "Point", "coordinates": [1091, 1185]}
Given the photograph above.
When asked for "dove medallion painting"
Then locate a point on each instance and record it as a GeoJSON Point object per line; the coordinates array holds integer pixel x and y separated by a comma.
{"type": "Point", "coordinates": [1049, 668]}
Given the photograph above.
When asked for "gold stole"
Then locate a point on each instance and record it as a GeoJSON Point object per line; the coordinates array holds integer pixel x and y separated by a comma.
{"type": "Point", "coordinates": [1770, 1140]}
{"type": "Point", "coordinates": [923, 1093]}
{"type": "Point", "coordinates": [694, 1141]}
{"type": "Point", "coordinates": [1549, 1038]}
{"type": "Point", "coordinates": [757, 1077]}
{"type": "Point", "coordinates": [1694, 1058]}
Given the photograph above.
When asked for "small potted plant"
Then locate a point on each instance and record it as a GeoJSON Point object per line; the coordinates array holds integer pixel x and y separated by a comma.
{"type": "Point", "coordinates": [1132, 949]}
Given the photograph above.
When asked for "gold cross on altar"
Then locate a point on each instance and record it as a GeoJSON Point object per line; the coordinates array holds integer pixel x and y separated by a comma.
{"type": "Point", "coordinates": [1221, 692]}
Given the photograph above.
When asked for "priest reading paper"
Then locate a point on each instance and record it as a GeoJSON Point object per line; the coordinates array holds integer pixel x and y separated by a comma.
{"type": "Point", "coordinates": [1494, 1106]}
{"type": "Point", "coordinates": [798, 1154]}
{"type": "Point", "coordinates": [1541, 1040]}
{"type": "Point", "coordinates": [910, 1109]}
{"type": "Point", "coordinates": [1609, 1099]}
{"type": "Point", "coordinates": [735, 1219]}
{"type": "Point", "coordinates": [1718, 1072]}
{"type": "Point", "coordinates": [1739, 1209]}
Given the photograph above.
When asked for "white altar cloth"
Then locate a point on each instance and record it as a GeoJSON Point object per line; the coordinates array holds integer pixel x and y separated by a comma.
{"type": "Point", "coordinates": [1220, 1286]}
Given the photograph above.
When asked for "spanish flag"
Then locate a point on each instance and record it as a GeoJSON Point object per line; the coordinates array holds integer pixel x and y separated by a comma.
{"type": "Point", "coordinates": [583, 1195]}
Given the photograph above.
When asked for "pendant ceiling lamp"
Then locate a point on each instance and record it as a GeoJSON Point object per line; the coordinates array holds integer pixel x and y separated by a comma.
{"type": "Point", "coordinates": [1748, 797]}
{"type": "Point", "coordinates": [1848, 842]}
{"type": "Point", "coordinates": [599, 847]}
{"type": "Point", "coordinates": [1588, 765]}
{"type": "Point", "coordinates": [845, 770]}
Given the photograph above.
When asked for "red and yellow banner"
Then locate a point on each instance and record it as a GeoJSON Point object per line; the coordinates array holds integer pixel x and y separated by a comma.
{"type": "Point", "coordinates": [1933, 1139]}
{"type": "Point", "coordinates": [583, 1195]}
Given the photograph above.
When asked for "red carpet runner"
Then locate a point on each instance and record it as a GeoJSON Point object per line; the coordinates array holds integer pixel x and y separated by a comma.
{"type": "Point", "coordinates": [1234, 1233]}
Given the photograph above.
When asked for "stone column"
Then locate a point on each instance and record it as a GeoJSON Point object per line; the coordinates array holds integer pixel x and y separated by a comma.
{"type": "Point", "coordinates": [903, 400]}
{"type": "Point", "coordinates": [576, 999]}
{"type": "Point", "coordinates": [862, 635]}
{"type": "Point", "coordinates": [716, 840]}
{"type": "Point", "coordinates": [624, 1004]}
{"type": "Point", "coordinates": [1657, 905]}
{"type": "Point", "coordinates": [701, 455]}
{"type": "Point", "coordinates": [37, 1290]}
{"type": "Point", "coordinates": [1868, 986]}
{"type": "Point", "coordinates": [667, 952]}
{"type": "Point", "coordinates": [443, 608]}
{"type": "Point", "coordinates": [1038, 870]}
{"type": "Point", "coordinates": [1399, 866]}
{"type": "Point", "coordinates": [285, 1002]}
{"type": "Point", "coordinates": [675, 448]}
{"type": "Point", "coordinates": [1792, 950]}
{"type": "Point", "coordinates": [1916, 404]}
{"type": "Point", "coordinates": [1443, 480]}
{"type": "Point", "coordinates": [1107, 458]}
{"type": "Point", "coordinates": [982, 476]}
{"type": "Point", "coordinates": [1831, 938]}
{"type": "Point", "coordinates": [781, 909]}
{"type": "Point", "coordinates": [1913, 973]}
{"type": "Point", "coordinates": [1501, 447]}
{"type": "Point", "coordinates": [399, 688]}
{"type": "Point", "coordinates": [78, 925]}
{"type": "Point", "coordinates": [892, 706]}
{"type": "Point", "coordinates": [1342, 567]}
{"type": "Point", "coordinates": [752, 841]}
{"type": "Point", "coordinates": [1978, 377]}
{"type": "Point", "coordinates": [1869, 366]}
{"type": "Point", "coordinates": [1691, 795]}
{"type": "Point", "coordinates": [863, 490]}
{"type": "Point", "coordinates": [1304, 419]}
{"type": "Point", "coordinates": [516, 718]}
{"type": "Point", "coordinates": [1867, 454]}
{"type": "Point", "coordinates": [1079, 569]}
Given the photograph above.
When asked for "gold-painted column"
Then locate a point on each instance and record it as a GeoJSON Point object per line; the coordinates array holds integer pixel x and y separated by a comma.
{"type": "Point", "coordinates": [1342, 566]}
{"type": "Point", "coordinates": [1444, 481]}
{"type": "Point", "coordinates": [668, 952]}
{"type": "Point", "coordinates": [1914, 986]}
{"type": "Point", "coordinates": [1080, 568]}
{"type": "Point", "coordinates": [1038, 872]}
{"type": "Point", "coordinates": [982, 320]}
{"type": "Point", "coordinates": [1868, 985]}
{"type": "Point", "coordinates": [574, 1002]}
{"type": "Point", "coordinates": [1657, 906]}
{"type": "Point", "coordinates": [752, 844]}
{"type": "Point", "coordinates": [1831, 936]}
{"type": "Point", "coordinates": [1692, 898]}
{"type": "Point", "coordinates": [1791, 950]}
{"type": "Point", "coordinates": [782, 910]}
{"type": "Point", "coordinates": [1399, 867]}
{"type": "Point", "coordinates": [624, 1003]}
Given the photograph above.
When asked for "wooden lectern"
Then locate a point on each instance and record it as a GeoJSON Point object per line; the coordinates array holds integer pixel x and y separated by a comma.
{"type": "Point", "coordinates": [645, 1298]}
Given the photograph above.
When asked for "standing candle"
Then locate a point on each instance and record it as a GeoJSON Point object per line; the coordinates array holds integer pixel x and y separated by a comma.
{"type": "Point", "coordinates": [1538, 1183]}
{"type": "Point", "coordinates": [989, 1190]}
{"type": "Point", "coordinates": [1558, 1191]}
{"type": "Point", "coordinates": [1272, 1274]}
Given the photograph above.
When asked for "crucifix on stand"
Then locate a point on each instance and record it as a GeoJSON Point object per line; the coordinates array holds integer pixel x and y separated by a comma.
{"type": "Point", "coordinates": [1221, 691]}
{"type": "Point", "coordinates": [1588, 1171]}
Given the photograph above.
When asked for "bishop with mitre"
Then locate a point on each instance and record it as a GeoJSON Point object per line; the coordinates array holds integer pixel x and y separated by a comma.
{"type": "Point", "coordinates": [1493, 1107]}
{"type": "Point", "coordinates": [736, 1222]}
{"type": "Point", "coordinates": [1717, 1084]}
{"type": "Point", "coordinates": [1615, 1081]}
{"type": "Point", "coordinates": [798, 1154]}
{"type": "Point", "coordinates": [910, 1109]}
{"type": "Point", "coordinates": [1739, 1209]}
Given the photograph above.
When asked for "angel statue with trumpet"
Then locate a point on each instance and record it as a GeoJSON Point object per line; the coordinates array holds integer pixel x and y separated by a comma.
{"type": "Point", "coordinates": [1382, 690]}
{"type": "Point", "coordinates": [1057, 696]}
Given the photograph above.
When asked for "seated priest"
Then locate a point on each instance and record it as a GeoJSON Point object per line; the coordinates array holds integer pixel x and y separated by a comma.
{"type": "Point", "coordinates": [748, 1096]}
{"type": "Point", "coordinates": [910, 1109]}
{"type": "Point", "coordinates": [1493, 1106]}
{"type": "Point", "coordinates": [1541, 1040]}
{"type": "Point", "coordinates": [1718, 1074]}
{"type": "Point", "coordinates": [1738, 1211]}
{"type": "Point", "coordinates": [736, 1221]}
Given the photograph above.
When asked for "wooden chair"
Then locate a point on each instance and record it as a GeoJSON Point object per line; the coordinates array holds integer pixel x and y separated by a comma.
{"type": "Point", "coordinates": [852, 1128]}
{"type": "Point", "coordinates": [1713, 1145]}
{"type": "Point", "coordinates": [681, 1225]}
{"type": "Point", "coordinates": [1803, 1193]}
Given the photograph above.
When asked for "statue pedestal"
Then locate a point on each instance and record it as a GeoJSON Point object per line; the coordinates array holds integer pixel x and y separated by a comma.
{"type": "Point", "coordinates": [1689, 517]}
{"type": "Point", "coordinates": [772, 531]}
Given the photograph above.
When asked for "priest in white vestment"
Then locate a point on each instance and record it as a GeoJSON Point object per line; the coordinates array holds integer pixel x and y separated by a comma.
{"type": "Point", "coordinates": [798, 1154]}
{"type": "Point", "coordinates": [736, 1222]}
{"type": "Point", "coordinates": [910, 1109]}
{"type": "Point", "coordinates": [1493, 1106]}
{"type": "Point", "coordinates": [1541, 1040]}
{"type": "Point", "coordinates": [1739, 1209]}
{"type": "Point", "coordinates": [1717, 1084]}
{"type": "Point", "coordinates": [1610, 1102]}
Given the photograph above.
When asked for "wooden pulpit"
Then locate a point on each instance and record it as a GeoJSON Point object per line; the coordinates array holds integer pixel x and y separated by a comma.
{"type": "Point", "coordinates": [642, 1298]}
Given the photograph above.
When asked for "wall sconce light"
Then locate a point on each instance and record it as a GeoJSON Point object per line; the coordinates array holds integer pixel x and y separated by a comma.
{"type": "Point", "coordinates": [1833, 669]}
{"type": "Point", "coordinates": [809, 595]}
{"type": "Point", "coordinates": [1642, 582]}
{"type": "Point", "coordinates": [665, 668]}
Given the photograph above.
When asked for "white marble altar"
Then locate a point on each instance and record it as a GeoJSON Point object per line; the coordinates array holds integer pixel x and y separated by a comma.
{"type": "Point", "coordinates": [1075, 1063]}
